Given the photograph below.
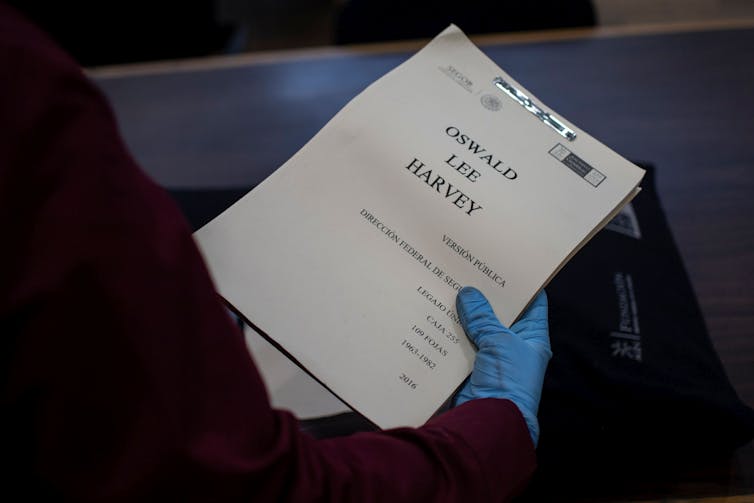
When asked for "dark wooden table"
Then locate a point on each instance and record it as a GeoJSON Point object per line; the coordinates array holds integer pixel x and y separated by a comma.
{"type": "Point", "coordinates": [680, 98]}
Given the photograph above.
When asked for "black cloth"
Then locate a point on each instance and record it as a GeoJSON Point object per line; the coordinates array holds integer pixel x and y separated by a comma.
{"type": "Point", "coordinates": [635, 389]}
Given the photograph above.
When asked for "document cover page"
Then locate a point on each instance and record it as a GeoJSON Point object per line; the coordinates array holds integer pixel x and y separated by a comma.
{"type": "Point", "coordinates": [444, 173]}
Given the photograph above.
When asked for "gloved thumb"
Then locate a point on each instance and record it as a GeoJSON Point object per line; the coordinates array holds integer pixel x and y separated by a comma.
{"type": "Point", "coordinates": [477, 316]}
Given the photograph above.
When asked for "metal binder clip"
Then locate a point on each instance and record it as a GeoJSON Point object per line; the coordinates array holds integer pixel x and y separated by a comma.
{"type": "Point", "coordinates": [528, 104]}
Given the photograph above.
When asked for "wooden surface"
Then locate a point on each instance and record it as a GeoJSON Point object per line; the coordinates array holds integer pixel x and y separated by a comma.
{"type": "Point", "coordinates": [683, 100]}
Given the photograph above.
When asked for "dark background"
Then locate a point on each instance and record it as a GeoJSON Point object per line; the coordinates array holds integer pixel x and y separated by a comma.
{"type": "Point", "coordinates": [103, 33]}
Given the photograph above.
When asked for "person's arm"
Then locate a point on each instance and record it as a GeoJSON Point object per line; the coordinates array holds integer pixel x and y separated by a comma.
{"type": "Point", "coordinates": [123, 376]}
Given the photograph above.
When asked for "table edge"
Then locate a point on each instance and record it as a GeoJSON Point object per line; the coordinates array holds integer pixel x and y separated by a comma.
{"type": "Point", "coordinates": [290, 55]}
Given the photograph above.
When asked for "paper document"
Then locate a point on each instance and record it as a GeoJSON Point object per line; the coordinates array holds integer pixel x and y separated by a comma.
{"type": "Point", "coordinates": [445, 172]}
{"type": "Point", "coordinates": [290, 387]}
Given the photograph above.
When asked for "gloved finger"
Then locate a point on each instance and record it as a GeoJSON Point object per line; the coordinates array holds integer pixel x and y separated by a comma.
{"type": "Point", "coordinates": [477, 317]}
{"type": "Point", "coordinates": [533, 324]}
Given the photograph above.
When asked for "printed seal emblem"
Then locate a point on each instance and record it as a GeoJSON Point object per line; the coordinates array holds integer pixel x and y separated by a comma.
{"type": "Point", "coordinates": [491, 102]}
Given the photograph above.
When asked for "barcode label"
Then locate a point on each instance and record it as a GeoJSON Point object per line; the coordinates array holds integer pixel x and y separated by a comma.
{"type": "Point", "coordinates": [577, 165]}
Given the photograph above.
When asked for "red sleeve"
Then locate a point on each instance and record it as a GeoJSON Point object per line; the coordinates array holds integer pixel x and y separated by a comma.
{"type": "Point", "coordinates": [124, 378]}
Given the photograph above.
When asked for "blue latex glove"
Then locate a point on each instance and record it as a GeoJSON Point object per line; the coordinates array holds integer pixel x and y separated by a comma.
{"type": "Point", "coordinates": [510, 363]}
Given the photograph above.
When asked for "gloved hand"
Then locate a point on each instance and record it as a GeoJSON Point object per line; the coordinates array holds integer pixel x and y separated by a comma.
{"type": "Point", "coordinates": [510, 363]}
